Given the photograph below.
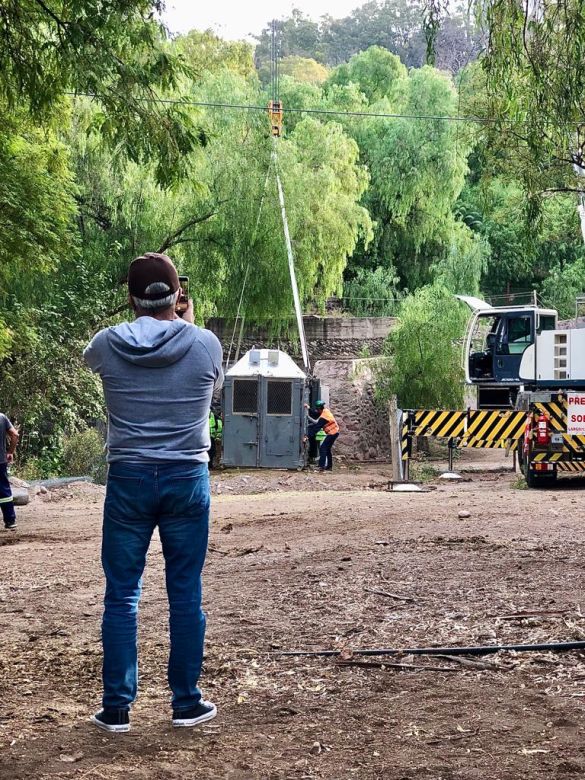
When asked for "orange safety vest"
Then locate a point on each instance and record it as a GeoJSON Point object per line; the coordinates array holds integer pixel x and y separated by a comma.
{"type": "Point", "coordinates": [331, 427]}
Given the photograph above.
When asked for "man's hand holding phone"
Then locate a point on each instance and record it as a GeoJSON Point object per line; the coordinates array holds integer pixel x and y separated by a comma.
{"type": "Point", "coordinates": [184, 308]}
{"type": "Point", "coordinates": [188, 313]}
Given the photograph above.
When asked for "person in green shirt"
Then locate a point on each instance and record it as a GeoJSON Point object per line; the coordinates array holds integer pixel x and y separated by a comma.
{"type": "Point", "coordinates": [215, 434]}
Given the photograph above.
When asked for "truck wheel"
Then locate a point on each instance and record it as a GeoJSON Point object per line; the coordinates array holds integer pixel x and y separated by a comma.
{"type": "Point", "coordinates": [534, 479]}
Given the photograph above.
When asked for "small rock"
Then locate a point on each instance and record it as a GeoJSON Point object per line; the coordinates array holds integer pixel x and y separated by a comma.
{"type": "Point", "coordinates": [20, 496]}
{"type": "Point", "coordinates": [71, 758]}
{"type": "Point", "coordinates": [463, 514]}
{"type": "Point", "coordinates": [226, 529]}
{"type": "Point", "coordinates": [487, 634]}
{"type": "Point", "coordinates": [316, 748]}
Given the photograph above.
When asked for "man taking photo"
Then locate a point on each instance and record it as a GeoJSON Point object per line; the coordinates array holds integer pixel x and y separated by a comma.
{"type": "Point", "coordinates": [159, 373]}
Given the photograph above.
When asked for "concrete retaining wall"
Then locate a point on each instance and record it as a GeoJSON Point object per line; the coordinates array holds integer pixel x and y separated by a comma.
{"type": "Point", "coordinates": [327, 337]}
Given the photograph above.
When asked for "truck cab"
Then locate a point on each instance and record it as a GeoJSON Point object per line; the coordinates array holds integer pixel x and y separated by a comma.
{"type": "Point", "coordinates": [494, 347]}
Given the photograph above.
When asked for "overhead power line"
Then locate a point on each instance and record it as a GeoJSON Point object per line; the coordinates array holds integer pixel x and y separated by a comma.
{"type": "Point", "coordinates": [326, 111]}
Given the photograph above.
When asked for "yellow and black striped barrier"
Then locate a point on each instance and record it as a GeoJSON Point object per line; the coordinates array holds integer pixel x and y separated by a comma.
{"type": "Point", "coordinates": [491, 444]}
{"type": "Point", "coordinates": [481, 429]}
{"type": "Point", "coordinates": [547, 457]}
{"type": "Point", "coordinates": [556, 411]}
{"type": "Point", "coordinates": [486, 427]}
{"type": "Point", "coordinates": [495, 429]}
{"type": "Point", "coordinates": [405, 442]}
{"type": "Point", "coordinates": [441, 424]}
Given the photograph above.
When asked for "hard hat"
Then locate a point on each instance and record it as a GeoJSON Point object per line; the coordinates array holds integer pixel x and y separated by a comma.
{"type": "Point", "coordinates": [320, 403]}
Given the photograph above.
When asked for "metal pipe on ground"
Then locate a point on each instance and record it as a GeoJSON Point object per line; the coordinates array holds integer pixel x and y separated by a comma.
{"type": "Point", "coordinates": [556, 647]}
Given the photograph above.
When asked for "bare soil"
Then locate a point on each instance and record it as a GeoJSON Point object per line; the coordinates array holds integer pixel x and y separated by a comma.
{"type": "Point", "coordinates": [292, 562]}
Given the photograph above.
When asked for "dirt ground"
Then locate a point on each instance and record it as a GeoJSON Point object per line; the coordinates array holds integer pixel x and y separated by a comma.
{"type": "Point", "coordinates": [293, 561]}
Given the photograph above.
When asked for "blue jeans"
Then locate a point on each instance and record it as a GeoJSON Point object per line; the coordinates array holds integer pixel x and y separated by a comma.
{"type": "Point", "coordinates": [139, 497]}
{"type": "Point", "coordinates": [325, 455]}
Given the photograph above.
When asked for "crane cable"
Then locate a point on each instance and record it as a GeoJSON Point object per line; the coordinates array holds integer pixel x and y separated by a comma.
{"type": "Point", "coordinates": [275, 113]}
{"type": "Point", "coordinates": [291, 267]}
{"type": "Point", "coordinates": [253, 239]}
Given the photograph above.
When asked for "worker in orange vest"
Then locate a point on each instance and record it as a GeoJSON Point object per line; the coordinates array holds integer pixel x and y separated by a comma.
{"type": "Point", "coordinates": [326, 422]}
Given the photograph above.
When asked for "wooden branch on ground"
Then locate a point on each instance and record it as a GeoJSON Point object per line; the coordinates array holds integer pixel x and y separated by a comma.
{"type": "Point", "coordinates": [382, 665]}
{"type": "Point", "coordinates": [469, 664]}
{"type": "Point", "coordinates": [395, 596]}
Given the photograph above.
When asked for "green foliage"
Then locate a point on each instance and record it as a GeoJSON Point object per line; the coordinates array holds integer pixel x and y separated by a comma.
{"type": "Point", "coordinates": [36, 200]}
{"type": "Point", "coordinates": [423, 366]}
{"type": "Point", "coordinates": [396, 25]}
{"type": "Point", "coordinates": [465, 263]}
{"type": "Point", "coordinates": [46, 388]}
{"type": "Point", "coordinates": [535, 83]}
{"type": "Point", "coordinates": [417, 171]}
{"type": "Point", "coordinates": [39, 467]}
{"type": "Point", "coordinates": [530, 88]}
{"type": "Point", "coordinates": [224, 218]}
{"type": "Point", "coordinates": [303, 69]}
{"type": "Point", "coordinates": [377, 206]}
{"type": "Point", "coordinates": [562, 286]}
{"type": "Point", "coordinates": [519, 483]}
{"type": "Point", "coordinates": [113, 51]}
{"type": "Point", "coordinates": [84, 455]}
{"type": "Point", "coordinates": [298, 35]}
{"type": "Point", "coordinates": [372, 293]}
{"type": "Point", "coordinates": [375, 72]}
{"type": "Point", "coordinates": [522, 253]}
{"type": "Point", "coordinates": [206, 52]}
{"type": "Point", "coordinates": [423, 472]}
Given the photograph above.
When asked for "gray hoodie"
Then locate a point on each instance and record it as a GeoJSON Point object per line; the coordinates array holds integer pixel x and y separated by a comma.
{"type": "Point", "coordinates": [158, 378]}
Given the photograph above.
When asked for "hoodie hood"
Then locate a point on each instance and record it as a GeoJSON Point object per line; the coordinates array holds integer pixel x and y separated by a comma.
{"type": "Point", "coordinates": [152, 343]}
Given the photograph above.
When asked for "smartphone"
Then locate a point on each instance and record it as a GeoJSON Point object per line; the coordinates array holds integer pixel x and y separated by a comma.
{"type": "Point", "coordinates": [183, 300]}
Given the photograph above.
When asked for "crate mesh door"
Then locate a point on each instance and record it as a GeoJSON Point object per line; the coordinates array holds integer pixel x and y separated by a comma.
{"type": "Point", "coordinates": [279, 398]}
{"type": "Point", "coordinates": [245, 396]}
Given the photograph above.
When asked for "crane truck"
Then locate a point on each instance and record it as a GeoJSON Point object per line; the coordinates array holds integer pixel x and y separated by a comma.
{"type": "Point", "coordinates": [521, 362]}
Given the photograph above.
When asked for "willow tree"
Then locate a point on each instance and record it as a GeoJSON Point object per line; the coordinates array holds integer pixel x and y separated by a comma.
{"type": "Point", "coordinates": [423, 356]}
{"type": "Point", "coordinates": [323, 183]}
{"type": "Point", "coordinates": [417, 162]}
{"type": "Point", "coordinates": [113, 51]}
{"type": "Point", "coordinates": [535, 82]}
{"type": "Point", "coordinates": [222, 223]}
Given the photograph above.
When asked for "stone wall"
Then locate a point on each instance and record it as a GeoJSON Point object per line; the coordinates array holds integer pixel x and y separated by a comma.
{"type": "Point", "coordinates": [364, 427]}
{"type": "Point", "coordinates": [327, 337]}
